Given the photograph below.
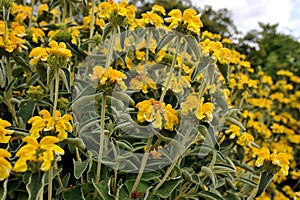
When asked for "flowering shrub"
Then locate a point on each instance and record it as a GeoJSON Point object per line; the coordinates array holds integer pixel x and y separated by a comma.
{"type": "Point", "coordinates": [101, 104]}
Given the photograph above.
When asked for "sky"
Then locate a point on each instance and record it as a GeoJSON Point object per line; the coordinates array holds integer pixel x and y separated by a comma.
{"type": "Point", "coordinates": [247, 13]}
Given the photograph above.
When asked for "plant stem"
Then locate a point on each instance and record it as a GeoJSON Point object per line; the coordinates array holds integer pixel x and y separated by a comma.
{"type": "Point", "coordinates": [165, 176]}
{"type": "Point", "coordinates": [92, 24]}
{"type": "Point", "coordinates": [31, 14]}
{"type": "Point", "coordinates": [147, 54]}
{"type": "Point", "coordinates": [102, 136]}
{"type": "Point", "coordinates": [143, 165]}
{"type": "Point", "coordinates": [79, 159]}
{"type": "Point", "coordinates": [56, 92]}
{"type": "Point", "coordinates": [171, 71]}
{"type": "Point", "coordinates": [110, 49]}
{"type": "Point", "coordinates": [50, 183]}
{"type": "Point", "coordinates": [64, 11]}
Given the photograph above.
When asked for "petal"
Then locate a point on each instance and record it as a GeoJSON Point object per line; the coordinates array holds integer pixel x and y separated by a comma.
{"type": "Point", "coordinates": [31, 140]}
{"type": "Point", "coordinates": [48, 140]}
{"type": "Point", "coordinates": [4, 123]}
{"type": "Point", "coordinates": [4, 153]}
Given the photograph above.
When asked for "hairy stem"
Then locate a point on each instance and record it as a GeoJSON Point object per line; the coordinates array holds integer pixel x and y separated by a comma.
{"type": "Point", "coordinates": [171, 71]}
{"type": "Point", "coordinates": [143, 165]}
{"type": "Point", "coordinates": [50, 183]}
{"type": "Point", "coordinates": [31, 14]}
{"type": "Point", "coordinates": [102, 136]}
{"type": "Point", "coordinates": [56, 92]}
{"type": "Point", "coordinates": [92, 24]}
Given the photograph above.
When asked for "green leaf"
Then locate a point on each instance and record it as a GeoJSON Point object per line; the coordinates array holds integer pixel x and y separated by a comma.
{"type": "Point", "coordinates": [79, 168]}
{"type": "Point", "coordinates": [264, 180]}
{"type": "Point", "coordinates": [53, 4]}
{"type": "Point", "coordinates": [241, 152]}
{"type": "Point", "coordinates": [207, 195]}
{"type": "Point", "coordinates": [124, 97]}
{"type": "Point", "coordinates": [122, 35]}
{"type": "Point", "coordinates": [166, 39]}
{"type": "Point", "coordinates": [66, 179]}
{"type": "Point", "coordinates": [235, 122]}
{"type": "Point", "coordinates": [2, 75]}
{"type": "Point", "coordinates": [202, 65]}
{"type": "Point", "coordinates": [210, 174]}
{"type": "Point", "coordinates": [168, 187]}
{"type": "Point", "coordinates": [194, 46]}
{"type": "Point", "coordinates": [35, 185]}
{"type": "Point", "coordinates": [55, 172]}
{"type": "Point", "coordinates": [223, 168]}
{"type": "Point", "coordinates": [122, 193]}
{"type": "Point", "coordinates": [72, 194]}
{"type": "Point", "coordinates": [224, 69]}
{"type": "Point", "coordinates": [75, 142]}
{"type": "Point", "coordinates": [34, 79]}
{"type": "Point", "coordinates": [146, 176]}
{"type": "Point", "coordinates": [65, 77]}
{"type": "Point", "coordinates": [26, 110]}
{"type": "Point", "coordinates": [22, 62]}
{"type": "Point", "coordinates": [107, 29]}
{"type": "Point", "coordinates": [103, 189]}
{"type": "Point", "coordinates": [142, 187]}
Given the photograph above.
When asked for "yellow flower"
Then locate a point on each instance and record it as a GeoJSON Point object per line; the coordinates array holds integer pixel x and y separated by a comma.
{"type": "Point", "coordinates": [188, 21]}
{"type": "Point", "coordinates": [234, 131]}
{"type": "Point", "coordinates": [109, 10]}
{"type": "Point", "coordinates": [37, 156]}
{"type": "Point", "coordinates": [38, 54]}
{"type": "Point", "coordinates": [43, 8]}
{"type": "Point", "coordinates": [281, 160]}
{"type": "Point", "coordinates": [245, 139]}
{"type": "Point", "coordinates": [5, 166]}
{"type": "Point", "coordinates": [171, 117]}
{"type": "Point", "coordinates": [45, 123]}
{"type": "Point", "coordinates": [157, 113]}
{"type": "Point", "coordinates": [59, 49]}
{"type": "Point", "coordinates": [204, 110]}
{"type": "Point", "coordinates": [37, 34]}
{"type": "Point", "coordinates": [158, 9]}
{"type": "Point", "coordinates": [150, 18]}
{"type": "Point", "coordinates": [109, 76]}
{"type": "Point", "coordinates": [4, 134]}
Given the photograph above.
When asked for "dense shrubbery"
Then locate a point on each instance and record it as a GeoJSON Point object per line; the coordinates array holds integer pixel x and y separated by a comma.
{"type": "Point", "coordinates": [97, 103]}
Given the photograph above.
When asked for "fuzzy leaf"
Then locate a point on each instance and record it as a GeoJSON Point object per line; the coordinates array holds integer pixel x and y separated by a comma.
{"type": "Point", "coordinates": [264, 180]}
{"type": "Point", "coordinates": [35, 185]}
{"type": "Point", "coordinates": [168, 187]}
{"type": "Point", "coordinates": [193, 44]}
{"type": "Point", "coordinates": [79, 168]}
{"type": "Point", "coordinates": [209, 172]}
{"type": "Point", "coordinates": [164, 41]}
{"type": "Point", "coordinates": [103, 189]}
{"type": "Point", "coordinates": [209, 195]}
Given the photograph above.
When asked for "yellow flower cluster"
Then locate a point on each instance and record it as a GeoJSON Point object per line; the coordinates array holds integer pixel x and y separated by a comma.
{"type": "Point", "coordinates": [151, 18]}
{"type": "Point", "coordinates": [115, 13]}
{"type": "Point", "coordinates": [189, 21]}
{"type": "Point", "coordinates": [159, 114]}
{"type": "Point", "coordinates": [11, 40]}
{"type": "Point", "coordinates": [200, 109]}
{"type": "Point", "coordinates": [37, 156]}
{"type": "Point", "coordinates": [276, 159]}
{"type": "Point", "coordinates": [47, 125]}
{"type": "Point", "coordinates": [110, 76]}
{"type": "Point", "coordinates": [41, 54]}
